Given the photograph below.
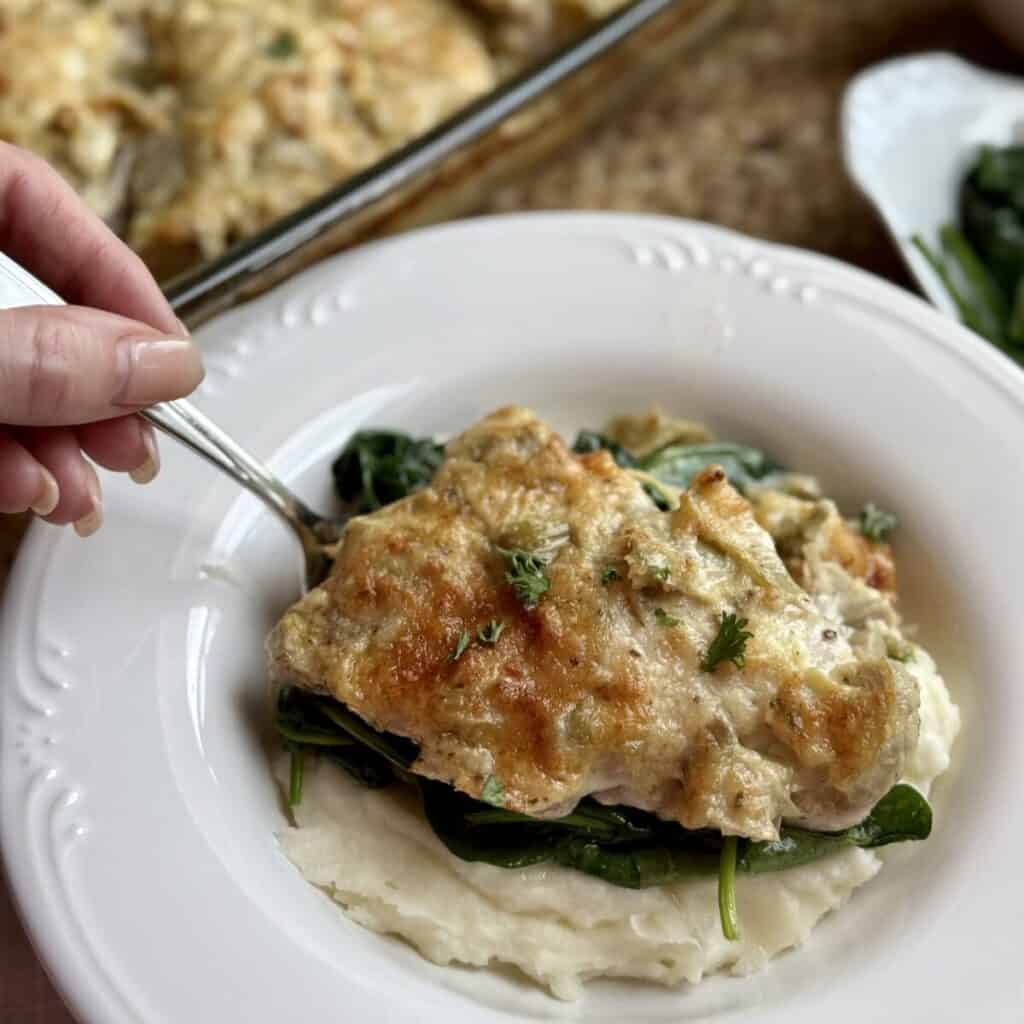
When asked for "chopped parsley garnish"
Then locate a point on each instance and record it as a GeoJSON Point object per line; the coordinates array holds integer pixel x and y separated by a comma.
{"type": "Point", "coordinates": [493, 792]}
{"type": "Point", "coordinates": [284, 44]}
{"type": "Point", "coordinates": [609, 574]}
{"type": "Point", "coordinates": [876, 523]}
{"type": "Point", "coordinates": [489, 634]}
{"type": "Point", "coordinates": [729, 644]}
{"type": "Point", "coordinates": [524, 572]}
{"type": "Point", "coordinates": [460, 646]}
{"type": "Point", "coordinates": [663, 618]}
{"type": "Point", "coordinates": [662, 572]}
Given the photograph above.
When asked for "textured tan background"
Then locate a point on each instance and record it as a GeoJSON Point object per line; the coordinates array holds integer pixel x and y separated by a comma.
{"type": "Point", "coordinates": [743, 135]}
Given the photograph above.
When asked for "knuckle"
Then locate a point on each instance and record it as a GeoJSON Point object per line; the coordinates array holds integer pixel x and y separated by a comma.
{"type": "Point", "coordinates": [49, 370]}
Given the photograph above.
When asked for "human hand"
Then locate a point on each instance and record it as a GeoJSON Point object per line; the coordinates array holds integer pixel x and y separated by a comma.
{"type": "Point", "coordinates": [72, 377]}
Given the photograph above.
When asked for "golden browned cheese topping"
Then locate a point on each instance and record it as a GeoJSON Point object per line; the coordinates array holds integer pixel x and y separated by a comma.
{"type": "Point", "coordinates": [189, 124]}
{"type": "Point", "coordinates": [600, 687]}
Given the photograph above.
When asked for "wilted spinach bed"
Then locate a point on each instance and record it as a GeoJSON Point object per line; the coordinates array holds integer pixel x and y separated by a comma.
{"type": "Point", "coordinates": [619, 844]}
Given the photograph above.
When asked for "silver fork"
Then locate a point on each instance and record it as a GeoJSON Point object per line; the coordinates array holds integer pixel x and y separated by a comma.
{"type": "Point", "coordinates": [185, 423]}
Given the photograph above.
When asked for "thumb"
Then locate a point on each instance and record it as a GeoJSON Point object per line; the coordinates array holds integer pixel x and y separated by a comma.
{"type": "Point", "coordinates": [63, 365]}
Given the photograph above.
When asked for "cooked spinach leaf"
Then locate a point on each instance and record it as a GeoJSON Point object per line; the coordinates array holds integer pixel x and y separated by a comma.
{"type": "Point", "coordinates": [364, 765]}
{"type": "Point", "coordinates": [592, 441]}
{"type": "Point", "coordinates": [658, 496]}
{"type": "Point", "coordinates": [589, 820]}
{"type": "Point", "coordinates": [635, 867]}
{"type": "Point", "coordinates": [378, 467]}
{"type": "Point", "coordinates": [678, 464]}
{"type": "Point", "coordinates": [992, 213]}
{"type": "Point", "coordinates": [980, 260]}
{"type": "Point", "coordinates": [727, 890]}
{"type": "Point", "coordinates": [974, 292]}
{"type": "Point", "coordinates": [296, 773]}
{"type": "Point", "coordinates": [447, 811]}
{"type": "Point", "coordinates": [311, 724]}
{"type": "Point", "coordinates": [902, 814]}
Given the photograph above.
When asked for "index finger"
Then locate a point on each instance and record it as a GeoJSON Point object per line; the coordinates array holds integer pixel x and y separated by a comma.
{"type": "Point", "coordinates": [51, 232]}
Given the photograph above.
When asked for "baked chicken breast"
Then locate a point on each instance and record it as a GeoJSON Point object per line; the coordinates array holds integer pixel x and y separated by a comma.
{"type": "Point", "coordinates": [604, 683]}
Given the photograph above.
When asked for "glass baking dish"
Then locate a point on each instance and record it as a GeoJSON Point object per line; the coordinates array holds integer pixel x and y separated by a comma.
{"type": "Point", "coordinates": [451, 169]}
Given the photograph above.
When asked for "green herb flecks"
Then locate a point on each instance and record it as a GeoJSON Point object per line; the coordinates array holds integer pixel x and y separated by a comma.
{"type": "Point", "coordinates": [663, 618]}
{"type": "Point", "coordinates": [876, 523]}
{"type": "Point", "coordinates": [592, 441]}
{"type": "Point", "coordinates": [283, 45]}
{"type": "Point", "coordinates": [460, 647]}
{"type": "Point", "coordinates": [378, 467]}
{"type": "Point", "coordinates": [609, 574]}
{"type": "Point", "coordinates": [727, 889]}
{"type": "Point", "coordinates": [729, 644]}
{"type": "Point", "coordinates": [490, 633]}
{"type": "Point", "coordinates": [524, 572]}
{"type": "Point", "coordinates": [493, 791]}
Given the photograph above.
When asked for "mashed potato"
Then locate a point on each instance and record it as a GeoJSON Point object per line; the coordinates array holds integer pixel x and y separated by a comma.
{"type": "Point", "coordinates": [558, 926]}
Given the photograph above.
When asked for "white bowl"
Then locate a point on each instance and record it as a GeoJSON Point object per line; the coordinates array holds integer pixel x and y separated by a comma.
{"type": "Point", "coordinates": [136, 804]}
{"type": "Point", "coordinates": [911, 127]}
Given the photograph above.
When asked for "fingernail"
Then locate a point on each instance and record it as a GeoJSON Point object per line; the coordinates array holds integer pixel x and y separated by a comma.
{"type": "Point", "coordinates": [92, 521]}
{"type": "Point", "coordinates": [49, 493]}
{"type": "Point", "coordinates": [148, 470]}
{"type": "Point", "coordinates": [155, 371]}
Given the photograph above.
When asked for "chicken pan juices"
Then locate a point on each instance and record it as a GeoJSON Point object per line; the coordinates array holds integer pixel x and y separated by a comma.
{"type": "Point", "coordinates": [642, 707]}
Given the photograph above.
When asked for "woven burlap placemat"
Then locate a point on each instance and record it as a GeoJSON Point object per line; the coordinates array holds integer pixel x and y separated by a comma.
{"type": "Point", "coordinates": [744, 132]}
{"type": "Point", "coordinates": [741, 134]}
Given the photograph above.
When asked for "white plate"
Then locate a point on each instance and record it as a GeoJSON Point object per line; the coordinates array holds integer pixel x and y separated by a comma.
{"type": "Point", "coordinates": [138, 812]}
{"type": "Point", "coordinates": [911, 128]}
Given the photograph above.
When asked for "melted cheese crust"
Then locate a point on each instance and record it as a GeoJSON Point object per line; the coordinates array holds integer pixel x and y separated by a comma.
{"type": "Point", "coordinates": [589, 692]}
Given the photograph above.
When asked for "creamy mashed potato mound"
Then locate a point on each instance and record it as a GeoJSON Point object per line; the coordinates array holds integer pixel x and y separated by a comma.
{"type": "Point", "coordinates": [558, 926]}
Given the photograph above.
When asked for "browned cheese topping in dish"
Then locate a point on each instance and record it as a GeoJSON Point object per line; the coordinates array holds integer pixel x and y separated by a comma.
{"type": "Point", "coordinates": [612, 673]}
{"type": "Point", "coordinates": [189, 124]}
